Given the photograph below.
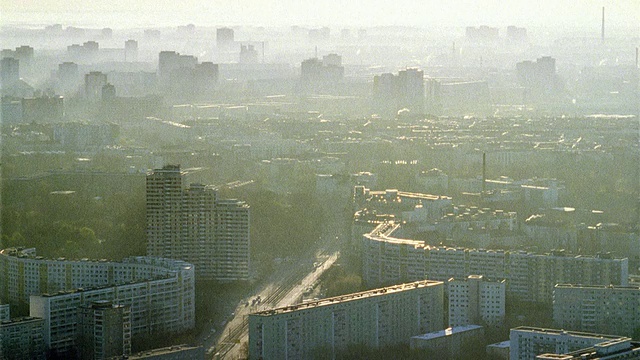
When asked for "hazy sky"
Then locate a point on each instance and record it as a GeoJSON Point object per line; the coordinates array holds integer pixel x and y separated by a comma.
{"type": "Point", "coordinates": [133, 13]}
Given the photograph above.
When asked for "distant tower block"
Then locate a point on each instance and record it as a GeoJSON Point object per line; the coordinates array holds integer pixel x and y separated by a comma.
{"type": "Point", "coordinates": [130, 50]}
{"type": "Point", "coordinates": [224, 38]}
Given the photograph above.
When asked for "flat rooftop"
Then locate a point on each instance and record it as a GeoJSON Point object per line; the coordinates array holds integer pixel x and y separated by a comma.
{"type": "Point", "coordinates": [351, 297]}
{"type": "Point", "coordinates": [447, 332]}
{"type": "Point", "coordinates": [600, 287]}
{"type": "Point", "coordinates": [564, 332]}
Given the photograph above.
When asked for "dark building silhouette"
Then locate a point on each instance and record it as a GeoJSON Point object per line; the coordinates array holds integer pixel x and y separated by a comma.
{"type": "Point", "coordinates": [9, 71]}
{"type": "Point", "coordinates": [316, 74]}
{"type": "Point", "coordinates": [539, 78]}
{"type": "Point", "coordinates": [43, 109]}
{"type": "Point", "coordinates": [224, 38]}
{"type": "Point", "coordinates": [93, 83]}
{"type": "Point", "coordinates": [392, 93]}
{"type": "Point", "coordinates": [68, 78]}
{"type": "Point", "coordinates": [130, 50]}
{"type": "Point", "coordinates": [248, 54]}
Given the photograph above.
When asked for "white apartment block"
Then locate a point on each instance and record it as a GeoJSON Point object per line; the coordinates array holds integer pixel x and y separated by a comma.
{"type": "Point", "coordinates": [529, 277]}
{"type": "Point", "coordinates": [604, 309]}
{"type": "Point", "coordinates": [375, 318]}
{"type": "Point", "coordinates": [21, 338]}
{"type": "Point", "coordinates": [160, 292]}
{"type": "Point", "coordinates": [193, 225]}
{"type": "Point", "coordinates": [476, 301]}
{"type": "Point", "coordinates": [528, 342]}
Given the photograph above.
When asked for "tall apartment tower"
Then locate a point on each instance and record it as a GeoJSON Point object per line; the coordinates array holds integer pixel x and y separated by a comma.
{"type": "Point", "coordinates": [104, 330]}
{"type": "Point", "coordinates": [224, 38]}
{"type": "Point", "coordinates": [164, 207]}
{"type": "Point", "coordinates": [130, 50]}
{"type": "Point", "coordinates": [192, 224]}
{"type": "Point", "coordinates": [9, 71]}
{"type": "Point", "coordinates": [476, 301]}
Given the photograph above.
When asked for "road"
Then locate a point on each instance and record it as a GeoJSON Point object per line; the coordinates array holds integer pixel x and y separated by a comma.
{"type": "Point", "coordinates": [287, 291]}
{"type": "Point", "coordinates": [284, 287]}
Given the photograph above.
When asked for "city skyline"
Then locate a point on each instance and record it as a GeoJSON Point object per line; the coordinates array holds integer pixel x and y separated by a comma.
{"type": "Point", "coordinates": [563, 15]}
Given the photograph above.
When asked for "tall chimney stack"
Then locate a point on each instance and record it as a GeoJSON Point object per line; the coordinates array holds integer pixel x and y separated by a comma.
{"type": "Point", "coordinates": [484, 173]}
{"type": "Point", "coordinates": [603, 24]}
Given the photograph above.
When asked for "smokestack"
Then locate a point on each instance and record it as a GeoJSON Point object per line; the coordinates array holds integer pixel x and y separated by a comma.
{"type": "Point", "coordinates": [603, 24]}
{"type": "Point", "coordinates": [484, 173]}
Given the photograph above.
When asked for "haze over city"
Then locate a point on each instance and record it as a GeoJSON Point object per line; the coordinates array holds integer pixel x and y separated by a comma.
{"type": "Point", "coordinates": [320, 180]}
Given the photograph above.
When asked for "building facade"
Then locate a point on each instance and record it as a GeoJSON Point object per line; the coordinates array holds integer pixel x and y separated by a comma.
{"type": "Point", "coordinates": [104, 330]}
{"type": "Point", "coordinates": [476, 301]}
{"type": "Point", "coordinates": [617, 349]}
{"type": "Point", "coordinates": [375, 318]}
{"type": "Point", "coordinates": [529, 277]}
{"type": "Point", "coordinates": [528, 342]}
{"type": "Point", "coordinates": [604, 309]}
{"type": "Point", "coordinates": [21, 338]}
{"type": "Point", "coordinates": [192, 224]}
{"type": "Point", "coordinates": [159, 292]}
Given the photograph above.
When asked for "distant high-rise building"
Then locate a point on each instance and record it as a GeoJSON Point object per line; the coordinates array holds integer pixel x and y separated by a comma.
{"type": "Point", "coordinates": [316, 73]}
{"type": "Point", "coordinates": [24, 54]}
{"type": "Point", "coordinates": [93, 83]}
{"type": "Point", "coordinates": [168, 61]}
{"type": "Point", "coordinates": [516, 34]}
{"type": "Point", "coordinates": [68, 78]}
{"type": "Point", "coordinates": [192, 224]}
{"type": "Point", "coordinates": [375, 318]}
{"type": "Point", "coordinates": [104, 330]}
{"type": "Point", "coordinates": [108, 92]}
{"type": "Point", "coordinates": [224, 38]}
{"type": "Point", "coordinates": [130, 50]}
{"type": "Point", "coordinates": [248, 54]}
{"type": "Point", "coordinates": [106, 33]}
{"type": "Point", "coordinates": [395, 92]}
{"type": "Point", "coordinates": [9, 71]}
{"type": "Point", "coordinates": [539, 78]}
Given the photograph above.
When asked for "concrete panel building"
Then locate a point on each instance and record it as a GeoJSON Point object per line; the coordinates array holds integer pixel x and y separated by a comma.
{"type": "Point", "coordinates": [193, 225]}
{"type": "Point", "coordinates": [21, 338]}
{"type": "Point", "coordinates": [529, 277]}
{"type": "Point", "coordinates": [159, 292]}
{"type": "Point", "coordinates": [104, 330]}
{"type": "Point", "coordinates": [476, 300]}
{"type": "Point", "coordinates": [528, 342]}
{"type": "Point", "coordinates": [375, 318]}
{"type": "Point", "coordinates": [606, 309]}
